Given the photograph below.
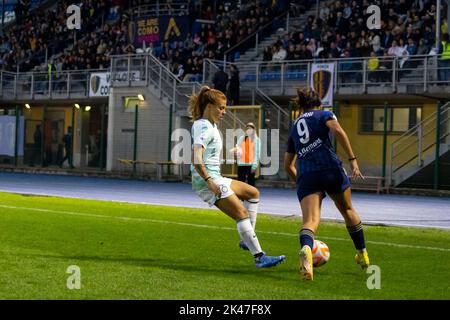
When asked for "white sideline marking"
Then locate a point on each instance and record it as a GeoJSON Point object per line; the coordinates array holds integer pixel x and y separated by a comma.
{"type": "Point", "coordinates": [212, 227]}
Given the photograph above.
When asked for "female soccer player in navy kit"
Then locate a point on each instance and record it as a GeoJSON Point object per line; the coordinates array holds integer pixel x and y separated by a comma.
{"type": "Point", "coordinates": [319, 170]}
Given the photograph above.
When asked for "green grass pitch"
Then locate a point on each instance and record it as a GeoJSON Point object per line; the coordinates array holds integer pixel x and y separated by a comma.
{"type": "Point", "coordinates": [128, 251]}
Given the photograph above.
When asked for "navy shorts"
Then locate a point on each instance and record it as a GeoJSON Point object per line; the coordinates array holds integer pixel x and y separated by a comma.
{"type": "Point", "coordinates": [331, 181]}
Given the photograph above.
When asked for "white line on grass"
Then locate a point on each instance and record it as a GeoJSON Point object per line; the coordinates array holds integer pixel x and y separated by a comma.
{"type": "Point", "coordinates": [211, 227]}
{"type": "Point", "coordinates": [339, 220]}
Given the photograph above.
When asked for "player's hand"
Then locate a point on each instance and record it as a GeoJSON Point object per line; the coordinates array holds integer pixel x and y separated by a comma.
{"type": "Point", "coordinates": [356, 173]}
{"type": "Point", "coordinates": [214, 187]}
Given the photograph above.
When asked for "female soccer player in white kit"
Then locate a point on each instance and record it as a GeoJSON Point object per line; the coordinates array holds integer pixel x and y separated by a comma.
{"type": "Point", "coordinates": [207, 109]}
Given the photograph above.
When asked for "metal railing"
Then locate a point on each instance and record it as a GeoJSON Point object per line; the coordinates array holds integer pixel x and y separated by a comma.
{"type": "Point", "coordinates": [275, 117]}
{"type": "Point", "coordinates": [417, 74]}
{"type": "Point", "coordinates": [145, 70]}
{"type": "Point", "coordinates": [160, 8]}
{"type": "Point", "coordinates": [42, 86]}
{"type": "Point", "coordinates": [417, 146]}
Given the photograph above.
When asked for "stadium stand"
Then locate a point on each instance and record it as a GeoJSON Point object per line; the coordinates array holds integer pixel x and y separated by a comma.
{"type": "Point", "coordinates": [43, 37]}
{"type": "Point", "coordinates": [338, 31]}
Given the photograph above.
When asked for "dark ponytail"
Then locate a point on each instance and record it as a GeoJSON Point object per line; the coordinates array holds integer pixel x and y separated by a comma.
{"type": "Point", "coordinates": [307, 99]}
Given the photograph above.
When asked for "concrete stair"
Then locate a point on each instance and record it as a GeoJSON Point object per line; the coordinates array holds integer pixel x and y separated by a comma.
{"type": "Point", "coordinates": [295, 24]}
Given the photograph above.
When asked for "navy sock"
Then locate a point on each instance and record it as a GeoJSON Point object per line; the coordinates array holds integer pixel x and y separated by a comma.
{"type": "Point", "coordinates": [357, 234]}
{"type": "Point", "coordinates": [306, 238]}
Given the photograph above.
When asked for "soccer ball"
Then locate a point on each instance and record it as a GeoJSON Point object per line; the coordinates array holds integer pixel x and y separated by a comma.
{"type": "Point", "coordinates": [321, 253]}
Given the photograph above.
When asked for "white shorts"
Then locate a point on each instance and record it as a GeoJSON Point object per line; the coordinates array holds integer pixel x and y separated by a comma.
{"type": "Point", "coordinates": [225, 191]}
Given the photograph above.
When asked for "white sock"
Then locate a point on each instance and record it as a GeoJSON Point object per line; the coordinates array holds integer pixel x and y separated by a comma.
{"type": "Point", "coordinates": [248, 235]}
{"type": "Point", "coordinates": [252, 207]}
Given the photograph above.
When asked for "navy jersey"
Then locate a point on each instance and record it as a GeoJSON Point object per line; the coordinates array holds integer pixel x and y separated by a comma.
{"type": "Point", "coordinates": [310, 140]}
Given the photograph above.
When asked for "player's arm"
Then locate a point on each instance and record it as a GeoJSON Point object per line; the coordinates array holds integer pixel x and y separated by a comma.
{"type": "Point", "coordinates": [289, 165]}
{"type": "Point", "coordinates": [344, 141]}
{"type": "Point", "coordinates": [290, 159]}
{"type": "Point", "coordinates": [199, 166]}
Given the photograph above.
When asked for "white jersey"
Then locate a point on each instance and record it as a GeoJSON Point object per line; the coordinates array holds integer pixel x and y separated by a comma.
{"type": "Point", "coordinates": [207, 135]}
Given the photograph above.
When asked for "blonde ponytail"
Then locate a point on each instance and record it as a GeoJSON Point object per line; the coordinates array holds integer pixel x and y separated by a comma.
{"type": "Point", "coordinates": [199, 101]}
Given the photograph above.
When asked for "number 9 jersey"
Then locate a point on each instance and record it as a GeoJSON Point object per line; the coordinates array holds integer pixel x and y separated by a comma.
{"type": "Point", "coordinates": [310, 140]}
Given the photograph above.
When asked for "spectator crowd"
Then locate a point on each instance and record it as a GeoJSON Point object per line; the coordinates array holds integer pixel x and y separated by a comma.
{"type": "Point", "coordinates": [339, 30]}
{"type": "Point", "coordinates": [408, 28]}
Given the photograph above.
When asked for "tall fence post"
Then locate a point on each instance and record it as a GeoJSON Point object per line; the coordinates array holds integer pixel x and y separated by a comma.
{"type": "Point", "coordinates": [308, 74]}
{"type": "Point", "coordinates": [43, 158]}
{"type": "Point", "coordinates": [72, 149]}
{"type": "Point", "coordinates": [204, 71]}
{"type": "Point", "coordinates": [169, 143]}
{"type": "Point", "coordinates": [135, 137]}
{"type": "Point", "coordinates": [160, 82]}
{"type": "Point", "coordinates": [419, 145]}
{"type": "Point", "coordinates": [257, 76]}
{"type": "Point", "coordinates": [129, 71]}
{"type": "Point", "coordinates": [394, 72]}
{"type": "Point", "coordinates": [15, 86]}
{"type": "Point", "coordinates": [16, 137]}
{"type": "Point", "coordinates": [68, 84]}
{"type": "Point", "coordinates": [174, 94]}
{"type": "Point", "coordinates": [257, 44]}
{"type": "Point", "coordinates": [364, 76]}
{"type": "Point", "coordinates": [436, 180]}
{"type": "Point", "coordinates": [32, 86]}
{"type": "Point", "coordinates": [287, 21]}
{"type": "Point", "coordinates": [146, 70]}
{"type": "Point", "coordinates": [391, 164]}
{"type": "Point", "coordinates": [335, 75]}
{"type": "Point", "coordinates": [50, 83]}
{"type": "Point", "coordinates": [102, 136]}
{"type": "Point", "coordinates": [425, 75]}
{"type": "Point", "coordinates": [385, 127]}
